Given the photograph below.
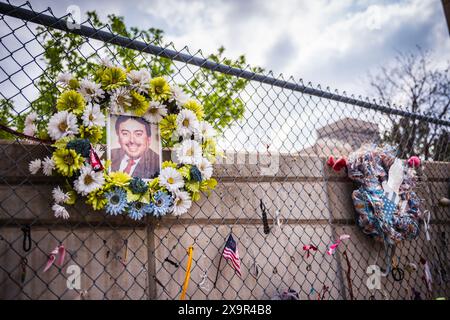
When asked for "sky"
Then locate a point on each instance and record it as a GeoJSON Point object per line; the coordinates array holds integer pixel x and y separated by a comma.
{"type": "Point", "coordinates": [332, 43]}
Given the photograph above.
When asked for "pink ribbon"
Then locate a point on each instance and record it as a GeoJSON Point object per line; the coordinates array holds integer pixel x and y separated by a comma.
{"type": "Point", "coordinates": [59, 251]}
{"type": "Point", "coordinates": [335, 245]}
{"type": "Point", "coordinates": [307, 248]}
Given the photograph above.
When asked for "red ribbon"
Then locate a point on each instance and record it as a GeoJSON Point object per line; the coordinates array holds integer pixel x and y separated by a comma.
{"type": "Point", "coordinates": [308, 248]}
{"type": "Point", "coordinates": [59, 251]}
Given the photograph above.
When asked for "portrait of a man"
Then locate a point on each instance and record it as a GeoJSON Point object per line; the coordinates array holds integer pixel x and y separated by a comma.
{"type": "Point", "coordinates": [134, 146]}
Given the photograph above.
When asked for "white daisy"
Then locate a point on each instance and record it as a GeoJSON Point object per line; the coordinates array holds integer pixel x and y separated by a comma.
{"type": "Point", "coordinates": [156, 111]}
{"type": "Point", "coordinates": [88, 181]}
{"type": "Point", "coordinates": [139, 80]}
{"type": "Point", "coordinates": [30, 129]}
{"type": "Point", "coordinates": [62, 124]}
{"type": "Point", "coordinates": [64, 78]}
{"type": "Point", "coordinates": [120, 98]}
{"type": "Point", "coordinates": [171, 179]}
{"type": "Point", "coordinates": [59, 196]}
{"type": "Point", "coordinates": [178, 95]}
{"type": "Point", "coordinates": [35, 165]}
{"type": "Point", "coordinates": [105, 62]}
{"type": "Point", "coordinates": [181, 203]}
{"type": "Point", "coordinates": [189, 152]}
{"type": "Point", "coordinates": [60, 211]}
{"type": "Point", "coordinates": [47, 166]}
{"type": "Point", "coordinates": [91, 91]}
{"type": "Point", "coordinates": [93, 116]}
{"type": "Point", "coordinates": [207, 130]}
{"type": "Point", "coordinates": [205, 168]}
{"type": "Point", "coordinates": [187, 123]}
{"type": "Point", "coordinates": [31, 118]}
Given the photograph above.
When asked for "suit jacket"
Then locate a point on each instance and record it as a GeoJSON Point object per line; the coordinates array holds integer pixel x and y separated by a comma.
{"type": "Point", "coordinates": [148, 166]}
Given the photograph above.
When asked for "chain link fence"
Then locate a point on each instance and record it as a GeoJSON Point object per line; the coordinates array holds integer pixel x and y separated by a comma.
{"type": "Point", "coordinates": [275, 162]}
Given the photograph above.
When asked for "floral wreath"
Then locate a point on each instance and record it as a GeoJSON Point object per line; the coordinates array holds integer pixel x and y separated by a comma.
{"type": "Point", "coordinates": [77, 129]}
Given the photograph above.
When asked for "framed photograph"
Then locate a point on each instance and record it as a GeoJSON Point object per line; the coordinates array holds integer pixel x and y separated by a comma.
{"type": "Point", "coordinates": [134, 146]}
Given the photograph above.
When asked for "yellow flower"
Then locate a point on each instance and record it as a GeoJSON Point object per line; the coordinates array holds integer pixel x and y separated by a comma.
{"type": "Point", "coordinates": [167, 126]}
{"type": "Point", "coordinates": [195, 107]}
{"type": "Point", "coordinates": [167, 164]}
{"type": "Point", "coordinates": [94, 134]}
{"type": "Point", "coordinates": [67, 161]}
{"type": "Point", "coordinates": [118, 179]}
{"type": "Point", "coordinates": [74, 84]}
{"type": "Point", "coordinates": [210, 150]}
{"type": "Point", "coordinates": [71, 101]}
{"type": "Point", "coordinates": [159, 89]}
{"type": "Point", "coordinates": [138, 104]}
{"type": "Point", "coordinates": [96, 199]}
{"type": "Point", "coordinates": [72, 197]}
{"type": "Point", "coordinates": [113, 78]}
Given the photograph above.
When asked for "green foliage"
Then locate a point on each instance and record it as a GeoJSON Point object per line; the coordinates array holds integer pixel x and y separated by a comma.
{"type": "Point", "coordinates": [66, 52]}
{"type": "Point", "coordinates": [219, 92]}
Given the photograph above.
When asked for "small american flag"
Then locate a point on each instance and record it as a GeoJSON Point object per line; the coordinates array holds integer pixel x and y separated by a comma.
{"type": "Point", "coordinates": [230, 252]}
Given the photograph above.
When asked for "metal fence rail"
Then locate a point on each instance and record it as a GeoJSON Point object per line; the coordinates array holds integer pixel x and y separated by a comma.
{"type": "Point", "coordinates": [299, 124]}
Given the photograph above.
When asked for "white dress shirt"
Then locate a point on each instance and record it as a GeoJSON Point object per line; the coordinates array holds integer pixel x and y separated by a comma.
{"type": "Point", "coordinates": [124, 163]}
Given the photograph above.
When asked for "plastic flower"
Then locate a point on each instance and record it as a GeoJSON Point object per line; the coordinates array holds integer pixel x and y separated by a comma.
{"type": "Point", "coordinates": [179, 96]}
{"type": "Point", "coordinates": [113, 78]}
{"type": "Point", "coordinates": [34, 166]}
{"type": "Point", "coordinates": [97, 199]}
{"type": "Point", "coordinates": [71, 101]}
{"type": "Point", "coordinates": [137, 210]}
{"type": "Point", "coordinates": [139, 80]}
{"type": "Point", "coordinates": [62, 124]}
{"type": "Point", "coordinates": [163, 202]}
{"type": "Point", "coordinates": [187, 123]}
{"type": "Point", "coordinates": [67, 161]}
{"type": "Point", "coordinates": [59, 196]}
{"type": "Point", "coordinates": [159, 89]}
{"type": "Point", "coordinates": [93, 116]}
{"type": "Point", "coordinates": [60, 211]}
{"type": "Point", "coordinates": [120, 100]}
{"type": "Point", "coordinates": [167, 126]}
{"type": "Point", "coordinates": [206, 130]}
{"type": "Point", "coordinates": [64, 78]}
{"type": "Point", "coordinates": [116, 201]}
{"type": "Point", "coordinates": [138, 186]}
{"type": "Point", "coordinates": [81, 146]}
{"type": "Point", "coordinates": [205, 168]}
{"type": "Point", "coordinates": [91, 91]}
{"type": "Point", "coordinates": [155, 112]}
{"type": "Point", "coordinates": [195, 107]}
{"type": "Point", "coordinates": [171, 179]}
{"type": "Point", "coordinates": [30, 129]}
{"type": "Point", "coordinates": [93, 134]}
{"type": "Point", "coordinates": [138, 104]}
{"type": "Point", "coordinates": [48, 166]}
{"type": "Point", "coordinates": [181, 203]}
{"type": "Point", "coordinates": [88, 181]}
{"type": "Point", "coordinates": [119, 179]}
{"type": "Point", "coordinates": [189, 152]}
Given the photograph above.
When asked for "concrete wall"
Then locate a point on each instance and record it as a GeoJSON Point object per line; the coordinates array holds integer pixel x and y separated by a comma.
{"type": "Point", "coordinates": [315, 206]}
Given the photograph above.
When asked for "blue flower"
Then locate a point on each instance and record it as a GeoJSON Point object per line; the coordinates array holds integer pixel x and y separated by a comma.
{"type": "Point", "coordinates": [117, 201]}
{"type": "Point", "coordinates": [136, 210]}
{"type": "Point", "coordinates": [163, 202]}
{"type": "Point", "coordinates": [138, 186]}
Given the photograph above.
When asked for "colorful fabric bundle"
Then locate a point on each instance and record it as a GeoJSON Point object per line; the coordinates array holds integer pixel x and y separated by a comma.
{"type": "Point", "coordinates": [386, 205]}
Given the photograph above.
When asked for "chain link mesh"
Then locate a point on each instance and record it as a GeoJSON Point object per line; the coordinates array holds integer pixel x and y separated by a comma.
{"type": "Point", "coordinates": [297, 129]}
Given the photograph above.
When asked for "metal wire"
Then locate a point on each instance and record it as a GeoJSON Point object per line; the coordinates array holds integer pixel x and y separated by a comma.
{"type": "Point", "coordinates": [271, 214]}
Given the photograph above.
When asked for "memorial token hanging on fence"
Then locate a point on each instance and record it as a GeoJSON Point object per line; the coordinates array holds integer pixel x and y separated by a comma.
{"type": "Point", "coordinates": [143, 115]}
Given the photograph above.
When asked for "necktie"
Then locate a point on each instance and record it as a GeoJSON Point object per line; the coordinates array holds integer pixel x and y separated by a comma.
{"type": "Point", "coordinates": [129, 165]}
